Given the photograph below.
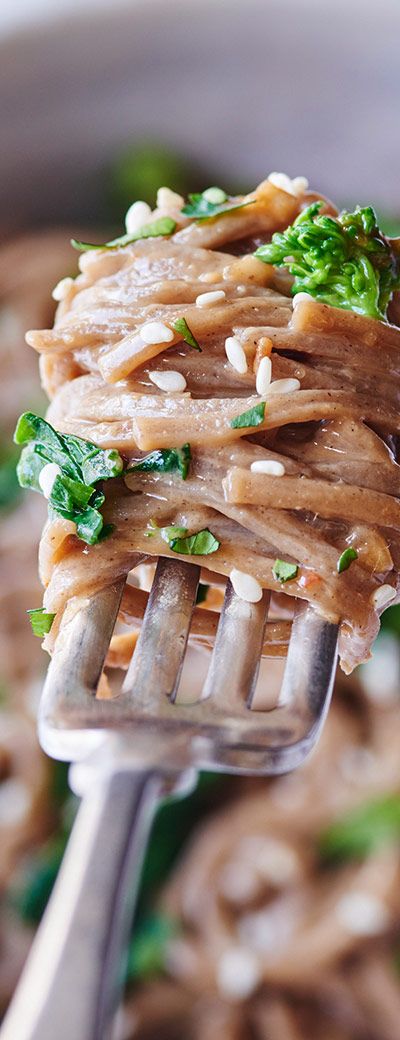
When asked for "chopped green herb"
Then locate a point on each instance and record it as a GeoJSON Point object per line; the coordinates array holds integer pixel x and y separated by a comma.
{"type": "Point", "coordinates": [284, 571]}
{"type": "Point", "coordinates": [82, 464]}
{"type": "Point", "coordinates": [345, 261]}
{"type": "Point", "coordinates": [253, 417]}
{"type": "Point", "coordinates": [165, 460]}
{"type": "Point", "coordinates": [40, 621]}
{"type": "Point", "coordinates": [362, 830]}
{"type": "Point", "coordinates": [200, 544]}
{"type": "Point", "coordinates": [162, 226]}
{"type": "Point", "coordinates": [181, 326]}
{"type": "Point", "coordinates": [202, 593]}
{"type": "Point", "coordinates": [201, 206]}
{"type": "Point", "coordinates": [346, 559]}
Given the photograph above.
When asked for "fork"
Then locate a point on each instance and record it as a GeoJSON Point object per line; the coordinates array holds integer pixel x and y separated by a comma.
{"type": "Point", "coordinates": [128, 752]}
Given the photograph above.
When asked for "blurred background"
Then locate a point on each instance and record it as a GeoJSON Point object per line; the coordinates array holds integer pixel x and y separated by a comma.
{"type": "Point", "coordinates": [269, 909]}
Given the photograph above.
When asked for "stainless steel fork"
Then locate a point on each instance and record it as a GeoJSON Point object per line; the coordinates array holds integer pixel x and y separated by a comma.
{"type": "Point", "coordinates": [128, 752]}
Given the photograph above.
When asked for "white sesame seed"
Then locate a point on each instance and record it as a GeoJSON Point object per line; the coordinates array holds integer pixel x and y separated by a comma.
{"type": "Point", "coordinates": [263, 378]}
{"type": "Point", "coordinates": [270, 466]}
{"type": "Point", "coordinates": [238, 973]}
{"type": "Point", "coordinates": [245, 586]}
{"type": "Point", "coordinates": [283, 386]}
{"type": "Point", "coordinates": [214, 195]}
{"type": "Point", "coordinates": [47, 477]}
{"type": "Point", "coordinates": [137, 215]}
{"type": "Point", "coordinates": [361, 913]}
{"type": "Point", "coordinates": [293, 187]}
{"type": "Point", "coordinates": [299, 185]}
{"type": "Point", "coordinates": [302, 297]}
{"type": "Point", "coordinates": [156, 332]}
{"type": "Point", "coordinates": [383, 595]}
{"type": "Point", "coordinates": [62, 288]}
{"type": "Point", "coordinates": [208, 299]}
{"type": "Point", "coordinates": [235, 354]}
{"type": "Point", "coordinates": [167, 199]}
{"type": "Point", "coordinates": [172, 382]}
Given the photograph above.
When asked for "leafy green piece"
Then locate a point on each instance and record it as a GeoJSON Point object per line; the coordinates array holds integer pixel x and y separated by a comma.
{"type": "Point", "coordinates": [202, 592]}
{"type": "Point", "coordinates": [181, 326]}
{"type": "Point", "coordinates": [200, 207]}
{"type": "Point", "coordinates": [40, 621]}
{"type": "Point", "coordinates": [345, 261]}
{"type": "Point", "coordinates": [362, 830]}
{"type": "Point", "coordinates": [200, 544]}
{"type": "Point", "coordinates": [346, 559]}
{"type": "Point", "coordinates": [148, 946]}
{"type": "Point", "coordinates": [74, 494]}
{"type": "Point", "coordinates": [166, 460]}
{"type": "Point", "coordinates": [284, 571]}
{"type": "Point", "coordinates": [162, 226]}
{"type": "Point", "coordinates": [165, 532]}
{"type": "Point", "coordinates": [254, 417]}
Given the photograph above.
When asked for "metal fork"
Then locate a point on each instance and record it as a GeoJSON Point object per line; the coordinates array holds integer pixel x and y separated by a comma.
{"type": "Point", "coordinates": [128, 752]}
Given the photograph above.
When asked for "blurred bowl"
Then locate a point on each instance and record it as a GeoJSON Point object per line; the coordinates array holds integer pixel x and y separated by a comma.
{"type": "Point", "coordinates": [296, 85]}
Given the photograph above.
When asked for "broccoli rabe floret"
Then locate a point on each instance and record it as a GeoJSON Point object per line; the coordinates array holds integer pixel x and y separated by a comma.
{"type": "Point", "coordinates": [345, 261]}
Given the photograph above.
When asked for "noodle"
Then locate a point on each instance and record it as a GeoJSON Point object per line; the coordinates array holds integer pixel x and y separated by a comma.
{"type": "Point", "coordinates": [331, 422]}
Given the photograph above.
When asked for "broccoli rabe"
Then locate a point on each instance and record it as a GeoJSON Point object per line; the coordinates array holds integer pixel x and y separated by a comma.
{"type": "Point", "coordinates": [345, 261]}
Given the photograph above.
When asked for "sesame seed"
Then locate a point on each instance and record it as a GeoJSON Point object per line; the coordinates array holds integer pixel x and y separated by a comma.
{"type": "Point", "coordinates": [297, 186]}
{"type": "Point", "coordinates": [208, 299]}
{"type": "Point", "coordinates": [270, 466]}
{"type": "Point", "coordinates": [263, 378]}
{"type": "Point", "coordinates": [235, 354]}
{"type": "Point", "coordinates": [47, 477]}
{"type": "Point", "coordinates": [383, 595]}
{"type": "Point", "coordinates": [215, 195]}
{"type": "Point", "coordinates": [302, 297]}
{"type": "Point", "coordinates": [283, 386]}
{"type": "Point", "coordinates": [167, 199]}
{"type": "Point", "coordinates": [137, 215]}
{"type": "Point", "coordinates": [62, 288]}
{"type": "Point", "coordinates": [238, 973]}
{"type": "Point", "coordinates": [156, 332]}
{"type": "Point", "coordinates": [361, 913]}
{"type": "Point", "coordinates": [245, 586]}
{"type": "Point", "coordinates": [172, 382]}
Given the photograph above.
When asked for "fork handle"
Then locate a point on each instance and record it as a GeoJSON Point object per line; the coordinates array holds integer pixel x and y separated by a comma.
{"type": "Point", "coordinates": [74, 973]}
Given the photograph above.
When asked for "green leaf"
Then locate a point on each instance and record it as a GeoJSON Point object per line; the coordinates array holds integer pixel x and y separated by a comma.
{"type": "Point", "coordinates": [200, 544]}
{"type": "Point", "coordinates": [181, 326]}
{"type": "Point", "coordinates": [166, 460]}
{"type": "Point", "coordinates": [284, 571]}
{"type": "Point", "coordinates": [346, 559]}
{"type": "Point", "coordinates": [362, 830]}
{"type": "Point", "coordinates": [40, 621]}
{"type": "Point", "coordinates": [162, 226]}
{"type": "Point", "coordinates": [202, 592]}
{"type": "Point", "coordinates": [74, 494]}
{"type": "Point", "coordinates": [254, 417]}
{"type": "Point", "coordinates": [201, 208]}
{"type": "Point", "coordinates": [345, 261]}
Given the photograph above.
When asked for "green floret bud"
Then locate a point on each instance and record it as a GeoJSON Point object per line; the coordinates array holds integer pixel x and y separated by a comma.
{"type": "Point", "coordinates": [345, 261]}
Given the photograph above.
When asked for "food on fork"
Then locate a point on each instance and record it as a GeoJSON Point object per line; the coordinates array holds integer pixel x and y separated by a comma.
{"type": "Point", "coordinates": [224, 387]}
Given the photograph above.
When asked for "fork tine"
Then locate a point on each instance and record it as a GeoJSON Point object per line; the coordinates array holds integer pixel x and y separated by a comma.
{"type": "Point", "coordinates": [156, 664]}
{"type": "Point", "coordinates": [235, 661]}
{"type": "Point", "coordinates": [310, 666]}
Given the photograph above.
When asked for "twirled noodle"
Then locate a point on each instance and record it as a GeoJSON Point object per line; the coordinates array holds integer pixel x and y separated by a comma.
{"type": "Point", "coordinates": [331, 422]}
